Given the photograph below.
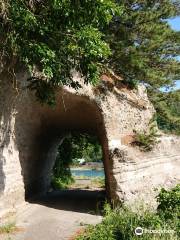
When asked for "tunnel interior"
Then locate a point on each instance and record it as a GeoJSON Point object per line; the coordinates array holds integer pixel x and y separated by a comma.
{"type": "Point", "coordinates": [78, 163]}
{"type": "Point", "coordinates": [72, 113]}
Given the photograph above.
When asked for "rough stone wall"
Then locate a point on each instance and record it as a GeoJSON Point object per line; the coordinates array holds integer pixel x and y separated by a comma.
{"type": "Point", "coordinates": [138, 176]}
{"type": "Point", "coordinates": [30, 134]}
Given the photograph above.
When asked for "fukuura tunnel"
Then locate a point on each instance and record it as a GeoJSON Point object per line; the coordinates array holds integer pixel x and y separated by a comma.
{"type": "Point", "coordinates": [31, 132]}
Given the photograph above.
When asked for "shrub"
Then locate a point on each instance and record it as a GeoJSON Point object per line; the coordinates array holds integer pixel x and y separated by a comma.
{"type": "Point", "coordinates": [146, 140]}
{"type": "Point", "coordinates": [169, 200]}
{"type": "Point", "coordinates": [100, 232]}
{"type": "Point", "coordinates": [169, 205]}
{"type": "Point", "coordinates": [120, 223]}
{"type": "Point", "coordinates": [7, 228]}
{"type": "Point", "coordinates": [61, 182]}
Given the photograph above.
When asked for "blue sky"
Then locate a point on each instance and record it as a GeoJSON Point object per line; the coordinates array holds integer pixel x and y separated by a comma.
{"type": "Point", "coordinates": [175, 24]}
{"type": "Point", "coordinates": [177, 85]}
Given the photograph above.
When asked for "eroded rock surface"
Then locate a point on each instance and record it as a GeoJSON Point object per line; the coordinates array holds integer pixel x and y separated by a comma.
{"type": "Point", "coordinates": [30, 133]}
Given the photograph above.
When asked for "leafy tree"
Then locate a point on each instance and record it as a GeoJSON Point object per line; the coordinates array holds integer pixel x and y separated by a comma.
{"type": "Point", "coordinates": [167, 105]}
{"type": "Point", "coordinates": [132, 37]}
{"type": "Point", "coordinates": [73, 147]}
{"type": "Point", "coordinates": [87, 147]}
{"type": "Point", "coordinates": [53, 37]}
{"type": "Point", "coordinates": [63, 159]}
{"type": "Point", "coordinates": [144, 47]}
{"type": "Point", "coordinates": [61, 172]}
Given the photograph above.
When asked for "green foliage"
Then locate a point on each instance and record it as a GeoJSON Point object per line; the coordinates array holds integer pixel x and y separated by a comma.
{"type": "Point", "coordinates": [53, 37]}
{"type": "Point", "coordinates": [147, 140]}
{"type": "Point", "coordinates": [3, 8]}
{"type": "Point", "coordinates": [87, 147]}
{"type": "Point", "coordinates": [62, 182]}
{"type": "Point", "coordinates": [167, 105]}
{"type": "Point", "coordinates": [7, 228]}
{"type": "Point", "coordinates": [61, 172]}
{"type": "Point", "coordinates": [101, 232]}
{"type": "Point", "coordinates": [73, 147]}
{"type": "Point", "coordinates": [120, 223]}
{"type": "Point", "coordinates": [144, 47]}
{"type": "Point", "coordinates": [169, 203]}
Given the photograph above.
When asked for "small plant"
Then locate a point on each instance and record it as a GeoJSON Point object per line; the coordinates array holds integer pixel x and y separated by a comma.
{"type": "Point", "coordinates": [146, 140]}
{"type": "Point", "coordinates": [7, 228]}
{"type": "Point", "coordinates": [61, 182]}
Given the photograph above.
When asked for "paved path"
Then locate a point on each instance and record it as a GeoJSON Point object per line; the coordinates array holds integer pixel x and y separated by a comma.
{"type": "Point", "coordinates": [58, 216]}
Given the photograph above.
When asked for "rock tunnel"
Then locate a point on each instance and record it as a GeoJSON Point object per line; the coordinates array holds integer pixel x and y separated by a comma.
{"type": "Point", "coordinates": [72, 113]}
{"type": "Point", "coordinates": [30, 133]}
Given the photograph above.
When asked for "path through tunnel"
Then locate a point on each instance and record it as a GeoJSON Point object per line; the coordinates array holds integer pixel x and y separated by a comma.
{"type": "Point", "coordinates": [73, 113]}
{"type": "Point", "coordinates": [77, 177]}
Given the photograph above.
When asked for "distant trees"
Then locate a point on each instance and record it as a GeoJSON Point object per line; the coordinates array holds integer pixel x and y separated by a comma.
{"type": "Point", "coordinates": [145, 49]}
{"type": "Point", "coordinates": [143, 45]}
{"type": "Point", "coordinates": [74, 147]}
{"type": "Point", "coordinates": [87, 147]}
{"type": "Point", "coordinates": [167, 105]}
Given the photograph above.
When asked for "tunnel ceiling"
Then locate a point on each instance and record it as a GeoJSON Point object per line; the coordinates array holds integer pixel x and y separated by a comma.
{"type": "Point", "coordinates": [73, 112]}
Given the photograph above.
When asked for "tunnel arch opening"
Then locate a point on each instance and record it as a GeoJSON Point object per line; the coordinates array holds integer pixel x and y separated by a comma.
{"type": "Point", "coordinates": [78, 163]}
{"type": "Point", "coordinates": [72, 113]}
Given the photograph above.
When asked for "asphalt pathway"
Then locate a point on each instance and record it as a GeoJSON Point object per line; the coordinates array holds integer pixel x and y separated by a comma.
{"type": "Point", "coordinates": [58, 215]}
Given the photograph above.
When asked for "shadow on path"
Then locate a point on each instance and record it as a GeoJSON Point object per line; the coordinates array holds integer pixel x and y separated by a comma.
{"type": "Point", "coordinates": [83, 201]}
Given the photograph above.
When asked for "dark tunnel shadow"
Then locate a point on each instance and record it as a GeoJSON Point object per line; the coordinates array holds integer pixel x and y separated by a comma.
{"type": "Point", "coordinates": [76, 200]}
{"type": "Point", "coordinates": [83, 201]}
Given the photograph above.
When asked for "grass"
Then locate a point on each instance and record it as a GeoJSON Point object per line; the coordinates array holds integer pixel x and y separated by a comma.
{"type": "Point", "coordinates": [93, 182]}
{"type": "Point", "coordinates": [82, 177]}
{"type": "Point", "coordinates": [7, 228]}
{"type": "Point", "coordinates": [65, 183]}
{"type": "Point", "coordinates": [119, 223]}
{"type": "Point", "coordinates": [99, 182]}
{"type": "Point", "coordinates": [62, 183]}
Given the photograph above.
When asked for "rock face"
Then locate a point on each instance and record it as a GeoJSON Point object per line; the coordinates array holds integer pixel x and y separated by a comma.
{"type": "Point", "coordinates": [30, 134]}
